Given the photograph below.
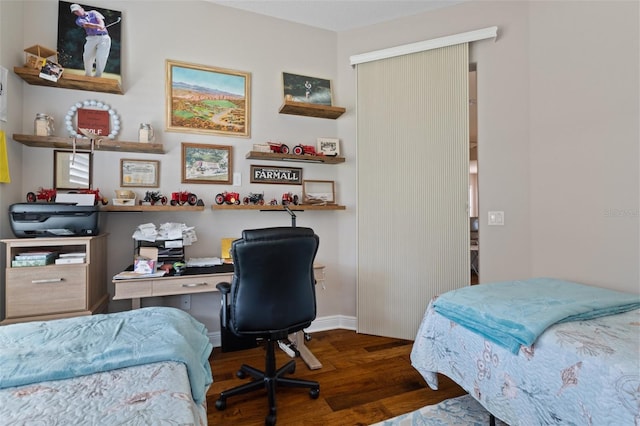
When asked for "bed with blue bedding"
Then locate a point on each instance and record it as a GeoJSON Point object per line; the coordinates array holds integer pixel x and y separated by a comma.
{"type": "Point", "coordinates": [146, 366]}
{"type": "Point", "coordinates": [537, 352]}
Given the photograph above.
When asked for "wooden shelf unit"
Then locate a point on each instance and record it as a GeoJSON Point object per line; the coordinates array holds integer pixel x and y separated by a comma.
{"type": "Point", "coordinates": [139, 208]}
{"type": "Point", "coordinates": [311, 110]}
{"type": "Point", "coordinates": [71, 81]}
{"type": "Point", "coordinates": [299, 207]}
{"type": "Point", "coordinates": [85, 144]}
{"type": "Point", "coordinates": [35, 293]}
{"type": "Point", "coordinates": [274, 156]}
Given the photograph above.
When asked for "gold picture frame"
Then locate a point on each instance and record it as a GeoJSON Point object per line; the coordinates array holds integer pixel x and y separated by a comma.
{"type": "Point", "coordinates": [203, 163]}
{"type": "Point", "coordinates": [139, 173]}
{"type": "Point", "coordinates": [202, 99]}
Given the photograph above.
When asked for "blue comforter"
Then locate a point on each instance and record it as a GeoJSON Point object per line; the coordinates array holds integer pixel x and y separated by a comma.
{"type": "Point", "coordinates": [60, 349]}
{"type": "Point", "coordinates": [515, 313]}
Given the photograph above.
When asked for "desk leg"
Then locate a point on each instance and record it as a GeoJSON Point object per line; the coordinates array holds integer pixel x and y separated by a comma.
{"type": "Point", "coordinates": [306, 355]}
{"type": "Point", "coordinates": [135, 303]}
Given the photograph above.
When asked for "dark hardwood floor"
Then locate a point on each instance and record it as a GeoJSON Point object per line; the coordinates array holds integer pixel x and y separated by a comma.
{"type": "Point", "coordinates": [363, 380]}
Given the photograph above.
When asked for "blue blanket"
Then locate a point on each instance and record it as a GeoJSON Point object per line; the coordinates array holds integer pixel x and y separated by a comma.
{"type": "Point", "coordinates": [60, 349]}
{"type": "Point", "coordinates": [515, 313]}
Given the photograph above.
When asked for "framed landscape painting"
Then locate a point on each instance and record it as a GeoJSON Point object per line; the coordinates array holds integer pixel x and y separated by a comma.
{"type": "Point", "coordinates": [206, 163]}
{"type": "Point", "coordinates": [203, 99]}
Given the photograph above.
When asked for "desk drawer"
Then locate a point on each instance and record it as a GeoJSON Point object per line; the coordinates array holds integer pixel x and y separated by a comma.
{"type": "Point", "coordinates": [45, 290]}
{"type": "Point", "coordinates": [132, 289]}
{"type": "Point", "coordinates": [188, 284]}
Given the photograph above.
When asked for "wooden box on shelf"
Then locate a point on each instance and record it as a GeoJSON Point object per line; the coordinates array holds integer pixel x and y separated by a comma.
{"type": "Point", "coordinates": [36, 56]}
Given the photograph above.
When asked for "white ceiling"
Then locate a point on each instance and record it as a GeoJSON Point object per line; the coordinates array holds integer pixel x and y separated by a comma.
{"type": "Point", "coordinates": [338, 15]}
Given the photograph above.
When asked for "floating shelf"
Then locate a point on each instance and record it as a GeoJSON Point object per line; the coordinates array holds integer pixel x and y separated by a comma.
{"type": "Point", "coordinates": [311, 110]}
{"type": "Point", "coordinates": [274, 156]}
{"type": "Point", "coordinates": [139, 208]}
{"type": "Point", "coordinates": [85, 144]}
{"type": "Point", "coordinates": [71, 81]}
{"type": "Point", "coordinates": [300, 207]}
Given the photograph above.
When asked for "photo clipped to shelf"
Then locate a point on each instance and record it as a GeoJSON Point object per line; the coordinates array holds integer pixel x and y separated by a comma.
{"type": "Point", "coordinates": [329, 146]}
{"type": "Point", "coordinates": [311, 90]}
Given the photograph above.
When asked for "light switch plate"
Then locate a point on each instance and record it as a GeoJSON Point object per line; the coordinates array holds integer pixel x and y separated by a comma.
{"type": "Point", "coordinates": [237, 179]}
{"type": "Point", "coordinates": [496, 218]}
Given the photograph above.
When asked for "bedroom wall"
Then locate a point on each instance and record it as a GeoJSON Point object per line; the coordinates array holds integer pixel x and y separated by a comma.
{"type": "Point", "coordinates": [525, 86]}
{"type": "Point", "coordinates": [206, 34]}
{"type": "Point", "coordinates": [557, 132]}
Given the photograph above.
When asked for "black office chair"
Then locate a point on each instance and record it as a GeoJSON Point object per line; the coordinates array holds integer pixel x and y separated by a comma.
{"type": "Point", "coordinates": [271, 296]}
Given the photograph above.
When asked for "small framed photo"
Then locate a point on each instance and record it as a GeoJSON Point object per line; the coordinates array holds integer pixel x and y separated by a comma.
{"type": "Point", "coordinates": [72, 170]}
{"type": "Point", "coordinates": [310, 90]}
{"type": "Point", "coordinates": [139, 173]}
{"type": "Point", "coordinates": [206, 163]}
{"type": "Point", "coordinates": [318, 192]}
{"type": "Point", "coordinates": [329, 146]}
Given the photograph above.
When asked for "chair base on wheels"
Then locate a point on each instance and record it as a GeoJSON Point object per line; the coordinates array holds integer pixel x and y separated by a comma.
{"type": "Point", "coordinates": [269, 379]}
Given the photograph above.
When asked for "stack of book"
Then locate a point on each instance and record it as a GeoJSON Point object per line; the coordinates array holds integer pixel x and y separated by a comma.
{"type": "Point", "coordinates": [34, 258]}
{"type": "Point", "coordinates": [67, 258]}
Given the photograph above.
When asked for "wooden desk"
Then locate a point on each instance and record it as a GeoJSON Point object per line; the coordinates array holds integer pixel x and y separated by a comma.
{"type": "Point", "coordinates": [198, 281]}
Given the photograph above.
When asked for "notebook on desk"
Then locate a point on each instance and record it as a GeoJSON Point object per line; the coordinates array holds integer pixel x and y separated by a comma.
{"type": "Point", "coordinates": [225, 249]}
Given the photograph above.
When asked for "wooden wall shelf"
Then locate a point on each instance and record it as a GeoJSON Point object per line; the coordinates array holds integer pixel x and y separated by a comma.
{"type": "Point", "coordinates": [139, 208]}
{"type": "Point", "coordinates": [71, 81]}
{"type": "Point", "coordinates": [300, 207]}
{"type": "Point", "coordinates": [85, 144]}
{"type": "Point", "coordinates": [273, 156]}
{"type": "Point", "coordinates": [311, 110]}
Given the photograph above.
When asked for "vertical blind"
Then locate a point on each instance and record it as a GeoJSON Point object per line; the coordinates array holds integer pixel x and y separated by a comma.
{"type": "Point", "coordinates": [413, 186]}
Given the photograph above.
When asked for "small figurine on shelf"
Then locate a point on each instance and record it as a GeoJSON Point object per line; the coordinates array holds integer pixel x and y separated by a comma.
{"type": "Point", "coordinates": [48, 195]}
{"type": "Point", "coordinates": [99, 198]}
{"type": "Point", "coordinates": [289, 198]}
{"type": "Point", "coordinates": [182, 197]}
{"type": "Point", "coordinates": [153, 198]}
{"type": "Point", "coordinates": [255, 199]}
{"type": "Point", "coordinates": [306, 150]}
{"type": "Point", "coordinates": [278, 148]}
{"type": "Point", "coordinates": [228, 198]}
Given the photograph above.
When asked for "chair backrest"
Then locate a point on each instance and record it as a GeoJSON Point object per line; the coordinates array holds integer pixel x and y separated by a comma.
{"type": "Point", "coordinates": [273, 289]}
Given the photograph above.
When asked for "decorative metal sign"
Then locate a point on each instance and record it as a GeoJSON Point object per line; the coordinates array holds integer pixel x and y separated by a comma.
{"type": "Point", "coordinates": [270, 174]}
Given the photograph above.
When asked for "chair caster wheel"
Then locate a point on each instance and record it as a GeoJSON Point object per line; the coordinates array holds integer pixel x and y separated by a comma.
{"type": "Point", "coordinates": [270, 420]}
{"type": "Point", "coordinates": [241, 374]}
{"type": "Point", "coordinates": [221, 404]}
{"type": "Point", "coordinates": [314, 393]}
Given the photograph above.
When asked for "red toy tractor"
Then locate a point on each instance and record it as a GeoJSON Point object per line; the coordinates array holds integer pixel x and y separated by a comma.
{"type": "Point", "coordinates": [46, 194]}
{"type": "Point", "coordinates": [182, 197]}
{"type": "Point", "coordinates": [228, 198]}
{"type": "Point", "coordinates": [278, 148]}
{"type": "Point", "coordinates": [289, 198]}
{"type": "Point", "coordinates": [305, 150]}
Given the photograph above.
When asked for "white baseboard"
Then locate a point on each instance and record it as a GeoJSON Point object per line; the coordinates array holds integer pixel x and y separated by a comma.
{"type": "Point", "coordinates": [320, 324]}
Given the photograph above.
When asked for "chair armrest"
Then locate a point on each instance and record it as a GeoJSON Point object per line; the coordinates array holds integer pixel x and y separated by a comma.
{"type": "Point", "coordinates": [224, 288]}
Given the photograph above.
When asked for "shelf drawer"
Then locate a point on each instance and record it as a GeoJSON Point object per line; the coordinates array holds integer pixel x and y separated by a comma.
{"type": "Point", "coordinates": [45, 290]}
{"type": "Point", "coordinates": [189, 284]}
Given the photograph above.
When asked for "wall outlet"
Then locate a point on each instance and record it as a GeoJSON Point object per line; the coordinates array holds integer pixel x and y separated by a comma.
{"type": "Point", "coordinates": [185, 302]}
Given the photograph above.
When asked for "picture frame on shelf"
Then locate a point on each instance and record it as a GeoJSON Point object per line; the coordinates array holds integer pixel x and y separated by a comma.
{"type": "Point", "coordinates": [276, 175]}
{"type": "Point", "coordinates": [202, 163]}
{"type": "Point", "coordinates": [204, 99]}
{"type": "Point", "coordinates": [329, 146]}
{"type": "Point", "coordinates": [72, 170]}
{"type": "Point", "coordinates": [318, 192]}
{"type": "Point", "coordinates": [305, 89]}
{"type": "Point", "coordinates": [139, 173]}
